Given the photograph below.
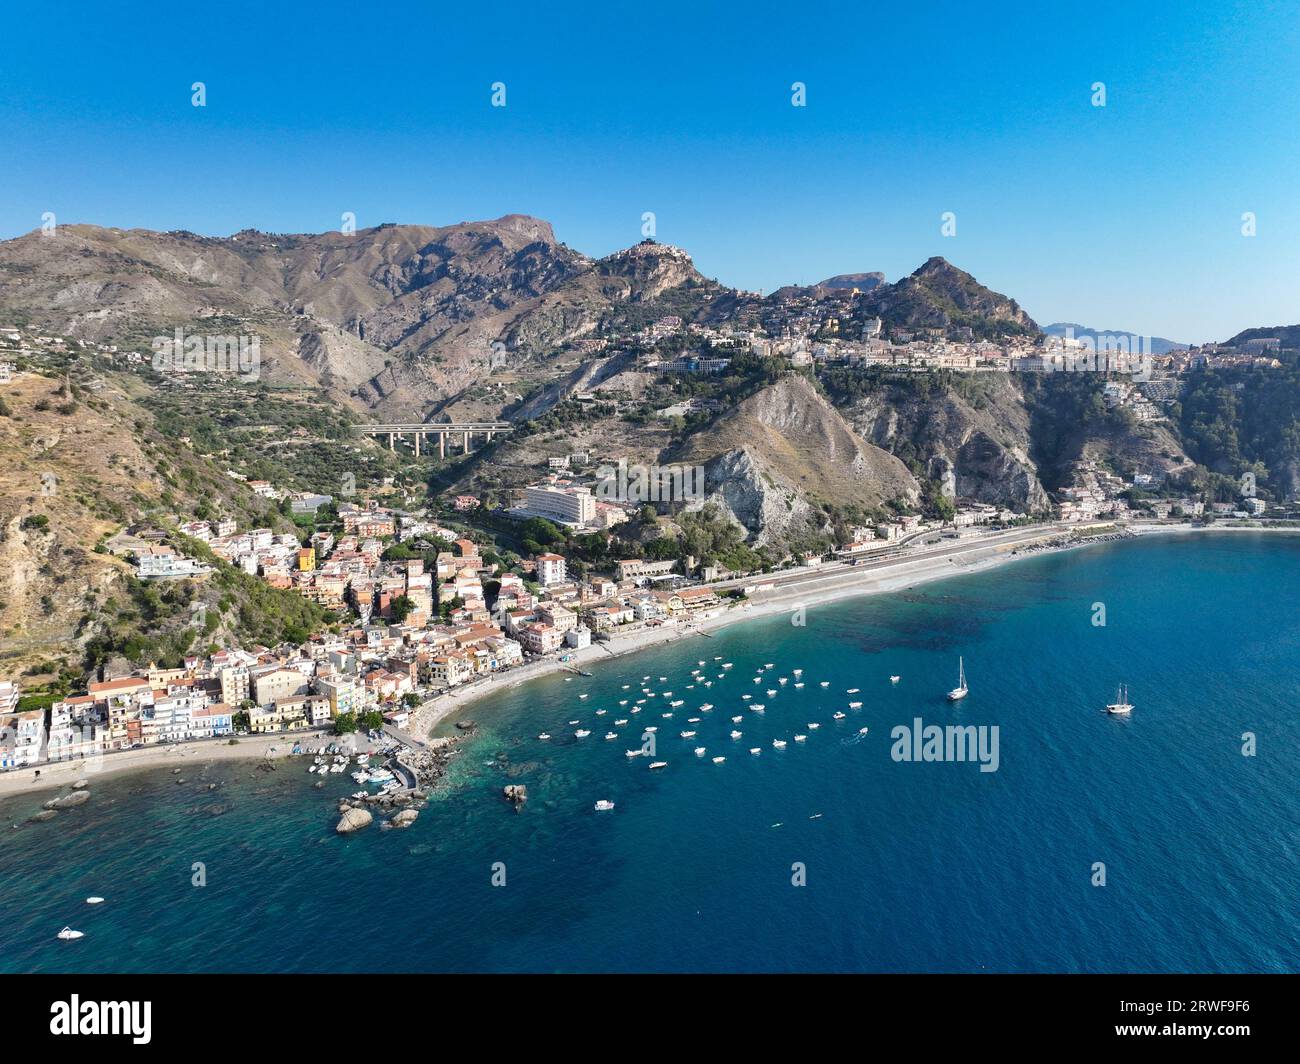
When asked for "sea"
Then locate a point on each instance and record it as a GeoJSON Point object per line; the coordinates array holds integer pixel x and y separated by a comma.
{"type": "Point", "coordinates": [1167, 841]}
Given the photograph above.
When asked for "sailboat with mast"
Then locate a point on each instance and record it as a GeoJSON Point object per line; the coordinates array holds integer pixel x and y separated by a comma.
{"type": "Point", "coordinates": [961, 690]}
{"type": "Point", "coordinates": [1121, 705]}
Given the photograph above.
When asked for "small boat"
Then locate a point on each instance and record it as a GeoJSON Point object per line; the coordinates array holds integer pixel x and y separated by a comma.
{"type": "Point", "coordinates": [706, 707]}
{"type": "Point", "coordinates": [634, 753]}
{"type": "Point", "coordinates": [581, 733]}
{"type": "Point", "coordinates": [825, 683]}
{"type": "Point", "coordinates": [600, 712]}
{"type": "Point", "coordinates": [798, 685]}
{"type": "Point", "coordinates": [813, 727]}
{"type": "Point", "coordinates": [544, 735]}
{"type": "Point", "coordinates": [726, 664]}
{"type": "Point", "coordinates": [757, 707]}
{"type": "Point", "coordinates": [699, 751]}
{"type": "Point", "coordinates": [771, 692]}
{"type": "Point", "coordinates": [582, 696]}
{"type": "Point", "coordinates": [658, 764]}
{"type": "Point", "coordinates": [735, 735]}
{"type": "Point", "coordinates": [693, 720]}
{"type": "Point", "coordinates": [94, 899]}
{"type": "Point", "coordinates": [1121, 706]}
{"type": "Point", "coordinates": [611, 735]}
{"type": "Point", "coordinates": [668, 694]}
{"type": "Point", "coordinates": [736, 720]}
{"type": "Point", "coordinates": [626, 686]}
{"type": "Point", "coordinates": [622, 701]}
{"type": "Point", "coordinates": [667, 716]}
{"type": "Point", "coordinates": [636, 709]}
{"type": "Point", "coordinates": [604, 805]}
{"type": "Point", "coordinates": [663, 679]}
{"type": "Point", "coordinates": [620, 721]}
{"type": "Point", "coordinates": [798, 672]}
{"type": "Point", "coordinates": [755, 750]}
{"type": "Point", "coordinates": [838, 715]}
{"type": "Point", "coordinates": [688, 735]}
{"type": "Point", "coordinates": [575, 722]}
{"type": "Point", "coordinates": [677, 703]}
{"type": "Point", "coordinates": [862, 731]}
{"type": "Point", "coordinates": [719, 760]}
{"type": "Point", "coordinates": [855, 705]}
{"type": "Point", "coordinates": [758, 679]}
{"type": "Point", "coordinates": [783, 681]}
{"type": "Point", "coordinates": [800, 738]}
{"type": "Point", "coordinates": [652, 727]}
{"type": "Point", "coordinates": [894, 679]}
{"type": "Point", "coordinates": [852, 691]}
{"type": "Point", "coordinates": [312, 768]}
{"type": "Point", "coordinates": [67, 934]}
{"type": "Point", "coordinates": [961, 690]}
{"type": "Point", "coordinates": [779, 744]}
{"type": "Point", "coordinates": [768, 665]}
{"type": "Point", "coordinates": [338, 767]}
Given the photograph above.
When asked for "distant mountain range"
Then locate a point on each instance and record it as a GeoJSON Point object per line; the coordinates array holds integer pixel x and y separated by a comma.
{"type": "Point", "coordinates": [1159, 345]}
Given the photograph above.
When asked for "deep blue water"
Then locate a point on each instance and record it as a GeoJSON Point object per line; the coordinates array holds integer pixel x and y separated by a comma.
{"type": "Point", "coordinates": [911, 867]}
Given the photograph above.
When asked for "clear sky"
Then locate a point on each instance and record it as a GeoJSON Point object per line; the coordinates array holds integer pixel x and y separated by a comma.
{"type": "Point", "coordinates": [1124, 216]}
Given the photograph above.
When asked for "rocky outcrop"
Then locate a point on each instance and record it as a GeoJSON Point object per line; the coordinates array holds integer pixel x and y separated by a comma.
{"type": "Point", "coordinates": [67, 801]}
{"type": "Point", "coordinates": [516, 794]}
{"type": "Point", "coordinates": [783, 453]}
{"type": "Point", "coordinates": [976, 448]}
{"type": "Point", "coordinates": [353, 820]}
{"type": "Point", "coordinates": [404, 819]}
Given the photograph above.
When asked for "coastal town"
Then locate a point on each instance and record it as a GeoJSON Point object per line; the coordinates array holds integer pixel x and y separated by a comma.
{"type": "Point", "coordinates": [422, 602]}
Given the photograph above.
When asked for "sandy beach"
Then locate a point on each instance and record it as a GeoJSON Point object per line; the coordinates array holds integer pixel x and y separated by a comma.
{"type": "Point", "coordinates": [57, 774]}
{"type": "Point", "coordinates": [793, 590]}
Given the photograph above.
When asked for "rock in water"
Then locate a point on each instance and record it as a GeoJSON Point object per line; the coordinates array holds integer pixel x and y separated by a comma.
{"type": "Point", "coordinates": [353, 820]}
{"type": "Point", "coordinates": [516, 793]}
{"type": "Point", "coordinates": [404, 819]}
{"type": "Point", "coordinates": [80, 785]}
{"type": "Point", "coordinates": [68, 800]}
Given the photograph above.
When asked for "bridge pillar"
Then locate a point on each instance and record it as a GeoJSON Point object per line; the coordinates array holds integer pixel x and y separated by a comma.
{"type": "Point", "coordinates": [442, 445]}
{"type": "Point", "coordinates": [392, 441]}
{"type": "Point", "coordinates": [467, 443]}
{"type": "Point", "coordinates": [417, 443]}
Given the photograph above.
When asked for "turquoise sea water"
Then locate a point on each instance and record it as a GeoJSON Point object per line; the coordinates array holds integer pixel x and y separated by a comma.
{"type": "Point", "coordinates": [910, 867]}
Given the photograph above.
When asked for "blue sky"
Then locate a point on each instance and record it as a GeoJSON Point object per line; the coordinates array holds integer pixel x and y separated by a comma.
{"type": "Point", "coordinates": [1127, 216]}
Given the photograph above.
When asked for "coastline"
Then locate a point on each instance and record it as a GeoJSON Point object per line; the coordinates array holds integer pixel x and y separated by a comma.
{"type": "Point", "coordinates": [58, 774]}
{"type": "Point", "coordinates": [807, 590]}
{"type": "Point", "coordinates": [900, 575]}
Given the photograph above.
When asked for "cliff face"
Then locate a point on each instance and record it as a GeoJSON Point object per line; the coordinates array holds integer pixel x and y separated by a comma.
{"type": "Point", "coordinates": [975, 448]}
{"type": "Point", "coordinates": [784, 454]}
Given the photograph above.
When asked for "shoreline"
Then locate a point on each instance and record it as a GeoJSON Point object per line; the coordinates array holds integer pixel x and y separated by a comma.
{"type": "Point", "coordinates": [62, 774]}
{"type": "Point", "coordinates": [903, 574]}
{"type": "Point", "coordinates": [810, 590]}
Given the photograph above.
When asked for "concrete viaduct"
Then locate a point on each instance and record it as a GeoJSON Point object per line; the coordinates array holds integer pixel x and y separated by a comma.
{"type": "Point", "coordinates": [420, 431]}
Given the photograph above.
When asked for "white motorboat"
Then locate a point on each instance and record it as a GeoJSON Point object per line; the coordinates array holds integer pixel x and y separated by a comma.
{"type": "Point", "coordinates": [735, 735]}
{"type": "Point", "coordinates": [67, 934]}
{"type": "Point", "coordinates": [581, 733]}
{"type": "Point", "coordinates": [961, 690]}
{"type": "Point", "coordinates": [894, 679]}
{"type": "Point", "coordinates": [852, 691]}
{"type": "Point", "coordinates": [855, 705]}
{"type": "Point", "coordinates": [699, 751]}
{"type": "Point", "coordinates": [719, 760]}
{"type": "Point", "coordinates": [94, 899]}
{"type": "Point", "coordinates": [800, 738]}
{"type": "Point", "coordinates": [778, 744]}
{"type": "Point", "coordinates": [604, 805]}
{"type": "Point", "coordinates": [813, 727]}
{"type": "Point", "coordinates": [611, 735]}
{"type": "Point", "coordinates": [755, 750]}
{"type": "Point", "coordinates": [621, 721]}
{"type": "Point", "coordinates": [824, 683]}
{"type": "Point", "coordinates": [688, 735]}
{"type": "Point", "coordinates": [658, 764]}
{"type": "Point", "coordinates": [838, 715]}
{"type": "Point", "coordinates": [544, 735]}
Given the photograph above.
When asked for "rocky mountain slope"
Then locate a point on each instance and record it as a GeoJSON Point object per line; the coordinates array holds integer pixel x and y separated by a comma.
{"type": "Point", "coordinates": [940, 296]}
{"type": "Point", "coordinates": [784, 455]}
